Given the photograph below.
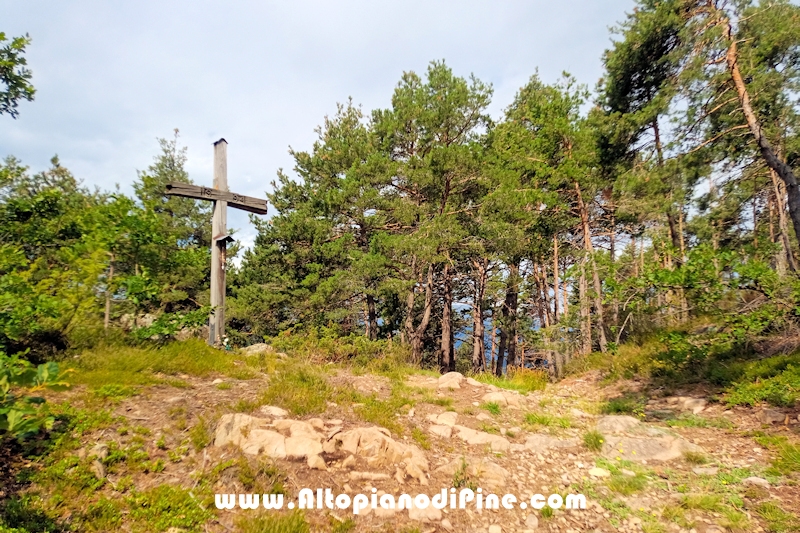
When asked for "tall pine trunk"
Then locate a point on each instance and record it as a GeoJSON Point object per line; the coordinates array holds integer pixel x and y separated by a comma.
{"type": "Point", "coordinates": [414, 334]}
{"type": "Point", "coordinates": [447, 356]}
{"type": "Point", "coordinates": [598, 289]}
{"type": "Point", "coordinates": [478, 355]}
{"type": "Point", "coordinates": [768, 153]}
{"type": "Point", "coordinates": [372, 319]}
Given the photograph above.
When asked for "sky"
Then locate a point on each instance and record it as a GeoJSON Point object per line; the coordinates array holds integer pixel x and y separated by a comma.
{"type": "Point", "coordinates": [113, 77]}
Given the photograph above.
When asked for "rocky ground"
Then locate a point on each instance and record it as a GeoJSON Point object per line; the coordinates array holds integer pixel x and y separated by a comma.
{"type": "Point", "coordinates": [681, 463]}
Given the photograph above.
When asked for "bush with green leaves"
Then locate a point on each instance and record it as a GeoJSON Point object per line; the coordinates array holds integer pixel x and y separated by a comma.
{"type": "Point", "coordinates": [22, 411]}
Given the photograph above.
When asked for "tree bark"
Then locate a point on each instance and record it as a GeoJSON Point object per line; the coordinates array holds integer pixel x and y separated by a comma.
{"type": "Point", "coordinates": [783, 227]}
{"type": "Point", "coordinates": [586, 320]}
{"type": "Point", "coordinates": [372, 319]}
{"type": "Point", "coordinates": [478, 354]}
{"type": "Point", "coordinates": [506, 351]}
{"type": "Point", "coordinates": [769, 155]}
{"type": "Point", "coordinates": [555, 279]}
{"type": "Point", "coordinates": [598, 290]}
{"type": "Point", "coordinates": [414, 334]}
{"type": "Point", "coordinates": [448, 362]}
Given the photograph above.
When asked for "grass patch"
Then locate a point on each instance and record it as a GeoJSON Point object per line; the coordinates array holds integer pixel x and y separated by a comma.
{"type": "Point", "coordinates": [775, 380]}
{"type": "Point", "coordinates": [302, 390]}
{"type": "Point", "coordinates": [778, 520]}
{"type": "Point", "coordinates": [694, 421]}
{"type": "Point", "coordinates": [627, 485]}
{"type": "Point", "coordinates": [127, 366]}
{"type": "Point", "coordinates": [200, 434]}
{"type": "Point", "coordinates": [627, 404]}
{"type": "Point", "coordinates": [492, 407]}
{"type": "Point", "coordinates": [695, 458]}
{"type": "Point", "coordinates": [166, 506]}
{"type": "Point", "coordinates": [523, 380]}
{"type": "Point", "coordinates": [542, 419]}
{"type": "Point", "coordinates": [787, 454]}
{"type": "Point", "coordinates": [593, 440]}
{"type": "Point", "coordinates": [421, 438]}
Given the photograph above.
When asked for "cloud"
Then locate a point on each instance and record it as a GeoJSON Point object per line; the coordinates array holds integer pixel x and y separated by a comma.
{"type": "Point", "coordinates": [111, 77]}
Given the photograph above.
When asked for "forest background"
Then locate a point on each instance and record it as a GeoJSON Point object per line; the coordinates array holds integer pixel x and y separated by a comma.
{"type": "Point", "coordinates": [648, 225]}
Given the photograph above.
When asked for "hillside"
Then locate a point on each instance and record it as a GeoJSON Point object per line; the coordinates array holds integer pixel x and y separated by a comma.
{"type": "Point", "coordinates": [150, 437]}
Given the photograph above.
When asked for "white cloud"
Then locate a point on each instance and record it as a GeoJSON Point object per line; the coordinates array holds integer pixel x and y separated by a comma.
{"type": "Point", "coordinates": [113, 76]}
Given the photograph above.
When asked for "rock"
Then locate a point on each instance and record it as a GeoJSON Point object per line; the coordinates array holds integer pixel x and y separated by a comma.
{"type": "Point", "coordinates": [577, 413]}
{"type": "Point", "coordinates": [599, 472]}
{"type": "Point", "coordinates": [626, 472]}
{"type": "Point", "coordinates": [451, 380]}
{"type": "Point", "coordinates": [540, 442]}
{"type": "Point", "coordinates": [175, 399]}
{"type": "Point", "coordinates": [349, 462]}
{"type": "Point", "coordinates": [380, 512]}
{"type": "Point", "coordinates": [502, 398]}
{"type": "Point", "coordinates": [490, 474]}
{"type": "Point", "coordinates": [442, 431]}
{"type": "Point", "coordinates": [217, 381]}
{"type": "Point", "coordinates": [664, 448]}
{"type": "Point", "coordinates": [317, 423]}
{"type": "Point", "coordinates": [334, 422]}
{"type": "Point", "coordinates": [255, 349]}
{"type": "Point", "coordinates": [379, 449]}
{"type": "Point", "coordinates": [248, 433]}
{"type": "Point", "coordinates": [316, 462]}
{"type": "Point", "coordinates": [99, 469]}
{"type": "Point", "coordinates": [447, 418]}
{"type": "Point", "coordinates": [368, 476]}
{"type": "Point", "coordinates": [276, 412]}
{"type": "Point", "coordinates": [617, 423]}
{"type": "Point", "coordinates": [427, 515]}
{"type": "Point", "coordinates": [447, 525]}
{"type": "Point", "coordinates": [302, 447]}
{"type": "Point", "coordinates": [495, 528]}
{"type": "Point", "coordinates": [473, 437]}
{"type": "Point", "coordinates": [531, 521]}
{"type": "Point", "coordinates": [297, 428]}
{"type": "Point", "coordinates": [100, 451]}
{"type": "Point", "coordinates": [695, 405]}
{"type": "Point", "coordinates": [756, 481]}
{"type": "Point", "coordinates": [483, 416]}
{"type": "Point", "coordinates": [771, 416]}
{"type": "Point", "coordinates": [474, 382]}
{"type": "Point", "coordinates": [705, 470]}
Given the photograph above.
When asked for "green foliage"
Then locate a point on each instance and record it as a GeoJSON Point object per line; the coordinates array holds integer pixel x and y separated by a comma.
{"type": "Point", "coordinates": [293, 522]}
{"type": "Point", "coordinates": [627, 404]}
{"type": "Point", "coordinates": [546, 420]}
{"type": "Point", "coordinates": [522, 380]}
{"type": "Point", "coordinates": [14, 74]}
{"type": "Point", "coordinates": [167, 506]}
{"type": "Point", "coordinates": [22, 410]}
{"type": "Point", "coordinates": [492, 407]}
{"type": "Point", "coordinates": [593, 440]}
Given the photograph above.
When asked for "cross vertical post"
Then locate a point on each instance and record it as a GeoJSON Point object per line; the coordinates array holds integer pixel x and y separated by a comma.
{"type": "Point", "coordinates": [219, 242]}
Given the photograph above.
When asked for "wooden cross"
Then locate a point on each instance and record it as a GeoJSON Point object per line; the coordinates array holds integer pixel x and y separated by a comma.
{"type": "Point", "coordinates": [219, 232]}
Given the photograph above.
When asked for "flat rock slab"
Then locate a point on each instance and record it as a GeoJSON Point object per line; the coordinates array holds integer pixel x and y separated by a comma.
{"type": "Point", "coordinates": [473, 437]}
{"type": "Point", "coordinates": [537, 443]}
{"type": "Point", "coordinates": [447, 418]}
{"type": "Point", "coordinates": [617, 424]}
{"type": "Point", "coordinates": [441, 431]}
{"type": "Point", "coordinates": [664, 448]}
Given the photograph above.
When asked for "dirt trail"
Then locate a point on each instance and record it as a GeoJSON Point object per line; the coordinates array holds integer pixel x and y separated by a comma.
{"type": "Point", "coordinates": [683, 464]}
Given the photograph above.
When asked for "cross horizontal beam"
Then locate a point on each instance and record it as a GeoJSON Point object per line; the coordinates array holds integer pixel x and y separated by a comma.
{"type": "Point", "coordinates": [239, 201]}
